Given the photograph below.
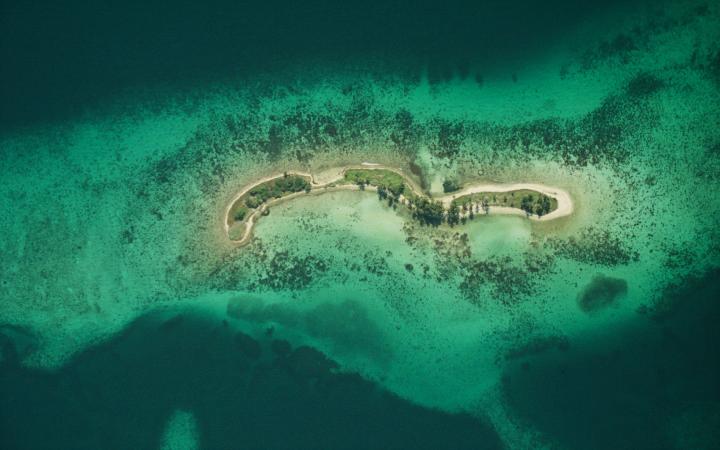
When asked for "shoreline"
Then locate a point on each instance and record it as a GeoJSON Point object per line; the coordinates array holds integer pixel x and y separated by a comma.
{"type": "Point", "coordinates": [564, 201]}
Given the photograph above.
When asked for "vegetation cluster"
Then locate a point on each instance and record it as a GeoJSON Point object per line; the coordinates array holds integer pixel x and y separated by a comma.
{"type": "Point", "coordinates": [391, 187]}
{"type": "Point", "coordinates": [529, 201]}
{"type": "Point", "coordinates": [594, 246]}
{"type": "Point", "coordinates": [385, 180]}
{"type": "Point", "coordinates": [275, 188]}
{"type": "Point", "coordinates": [426, 211]}
{"type": "Point", "coordinates": [450, 185]}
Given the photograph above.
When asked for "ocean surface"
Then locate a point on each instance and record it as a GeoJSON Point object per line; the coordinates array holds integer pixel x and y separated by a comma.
{"type": "Point", "coordinates": [128, 320]}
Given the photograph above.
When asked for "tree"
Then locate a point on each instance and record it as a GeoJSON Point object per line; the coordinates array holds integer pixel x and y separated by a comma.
{"type": "Point", "coordinates": [396, 188]}
{"type": "Point", "coordinates": [543, 207]}
{"type": "Point", "coordinates": [453, 215]}
{"type": "Point", "coordinates": [382, 192]}
{"type": "Point", "coordinates": [428, 212]}
{"type": "Point", "coordinates": [253, 202]}
{"type": "Point", "coordinates": [526, 204]}
{"type": "Point", "coordinates": [240, 213]}
{"type": "Point", "coordinates": [450, 185]}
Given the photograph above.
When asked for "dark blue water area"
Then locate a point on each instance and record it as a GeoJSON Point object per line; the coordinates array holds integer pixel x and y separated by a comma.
{"type": "Point", "coordinates": [59, 57]}
{"type": "Point", "coordinates": [639, 390]}
{"type": "Point", "coordinates": [243, 392]}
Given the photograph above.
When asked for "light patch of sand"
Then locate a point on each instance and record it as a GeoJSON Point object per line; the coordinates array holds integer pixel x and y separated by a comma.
{"type": "Point", "coordinates": [181, 432]}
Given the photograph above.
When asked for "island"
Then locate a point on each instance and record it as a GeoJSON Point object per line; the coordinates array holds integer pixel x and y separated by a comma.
{"type": "Point", "coordinates": [458, 205]}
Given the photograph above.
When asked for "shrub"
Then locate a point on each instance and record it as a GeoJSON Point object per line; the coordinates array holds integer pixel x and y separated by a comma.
{"type": "Point", "coordinates": [450, 185]}
{"type": "Point", "coordinates": [253, 202]}
{"type": "Point", "coordinates": [241, 213]}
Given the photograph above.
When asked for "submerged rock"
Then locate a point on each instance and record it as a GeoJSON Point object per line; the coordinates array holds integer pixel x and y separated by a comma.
{"type": "Point", "coordinates": [601, 292]}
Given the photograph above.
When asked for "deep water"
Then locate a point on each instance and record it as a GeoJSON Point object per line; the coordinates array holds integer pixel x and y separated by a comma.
{"type": "Point", "coordinates": [242, 392]}
{"type": "Point", "coordinates": [650, 386]}
{"type": "Point", "coordinates": [631, 390]}
{"type": "Point", "coordinates": [63, 57]}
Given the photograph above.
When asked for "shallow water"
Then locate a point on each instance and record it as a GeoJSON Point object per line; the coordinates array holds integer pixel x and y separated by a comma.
{"type": "Point", "coordinates": [128, 320]}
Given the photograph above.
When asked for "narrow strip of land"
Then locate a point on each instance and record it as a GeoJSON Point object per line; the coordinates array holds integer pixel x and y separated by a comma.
{"type": "Point", "coordinates": [535, 201]}
{"type": "Point", "coordinates": [564, 202]}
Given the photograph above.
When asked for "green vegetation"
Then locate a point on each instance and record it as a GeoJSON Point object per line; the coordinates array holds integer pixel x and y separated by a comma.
{"type": "Point", "coordinates": [240, 213]}
{"type": "Point", "coordinates": [426, 211]}
{"type": "Point", "coordinates": [531, 202]}
{"type": "Point", "coordinates": [453, 215]}
{"type": "Point", "coordinates": [275, 188]}
{"type": "Point", "coordinates": [387, 180]}
{"type": "Point", "coordinates": [451, 185]}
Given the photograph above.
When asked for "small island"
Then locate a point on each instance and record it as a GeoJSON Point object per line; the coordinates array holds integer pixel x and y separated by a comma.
{"type": "Point", "coordinates": [456, 207]}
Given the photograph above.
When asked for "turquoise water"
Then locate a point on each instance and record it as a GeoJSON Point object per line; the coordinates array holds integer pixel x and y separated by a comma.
{"type": "Point", "coordinates": [129, 320]}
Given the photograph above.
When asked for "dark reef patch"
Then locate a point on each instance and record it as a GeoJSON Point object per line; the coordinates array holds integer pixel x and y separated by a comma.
{"type": "Point", "coordinates": [594, 246]}
{"type": "Point", "coordinates": [597, 138]}
{"type": "Point", "coordinates": [678, 256]}
{"type": "Point", "coordinates": [621, 45]}
{"type": "Point", "coordinates": [449, 138]}
{"type": "Point", "coordinates": [508, 282]}
{"type": "Point", "coordinates": [404, 134]}
{"type": "Point", "coordinates": [292, 272]}
{"type": "Point", "coordinates": [644, 84]}
{"type": "Point", "coordinates": [120, 394]}
{"type": "Point", "coordinates": [619, 48]}
{"type": "Point", "coordinates": [601, 292]}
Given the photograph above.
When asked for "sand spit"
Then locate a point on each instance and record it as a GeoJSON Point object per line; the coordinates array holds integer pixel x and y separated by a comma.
{"type": "Point", "coordinates": [330, 179]}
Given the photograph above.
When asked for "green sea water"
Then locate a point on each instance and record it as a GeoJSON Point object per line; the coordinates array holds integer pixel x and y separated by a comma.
{"type": "Point", "coordinates": [129, 320]}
